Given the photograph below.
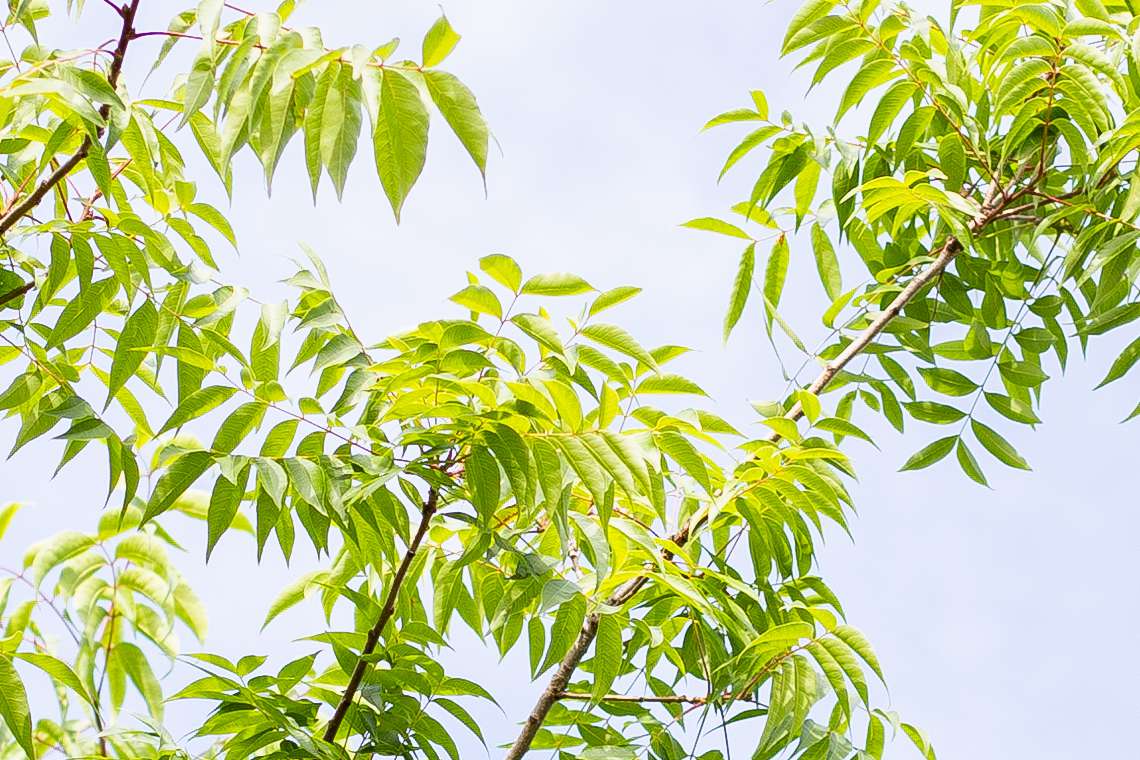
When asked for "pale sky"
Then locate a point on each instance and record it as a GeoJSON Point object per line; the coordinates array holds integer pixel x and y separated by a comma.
{"type": "Point", "coordinates": [1003, 617]}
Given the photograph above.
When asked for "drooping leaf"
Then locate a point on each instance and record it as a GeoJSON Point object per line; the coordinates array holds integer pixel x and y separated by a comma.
{"type": "Point", "coordinates": [1002, 450]}
{"type": "Point", "coordinates": [14, 707]}
{"type": "Point", "coordinates": [399, 137]}
{"type": "Point", "coordinates": [826, 262]}
{"type": "Point", "coordinates": [931, 453]}
{"type": "Point", "coordinates": [741, 287]}
{"type": "Point", "coordinates": [459, 109]}
{"type": "Point", "coordinates": [181, 474]}
{"type": "Point", "coordinates": [138, 332]}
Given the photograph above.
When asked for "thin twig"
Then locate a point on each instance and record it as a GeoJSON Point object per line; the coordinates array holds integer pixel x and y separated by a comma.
{"type": "Point", "coordinates": [426, 513]}
{"type": "Point", "coordinates": [668, 699]}
{"type": "Point", "coordinates": [12, 295]}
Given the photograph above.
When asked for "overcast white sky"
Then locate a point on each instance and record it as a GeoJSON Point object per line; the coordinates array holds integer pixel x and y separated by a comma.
{"type": "Point", "coordinates": [1003, 617]}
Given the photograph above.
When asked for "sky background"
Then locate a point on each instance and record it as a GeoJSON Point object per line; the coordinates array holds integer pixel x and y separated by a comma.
{"type": "Point", "coordinates": [1003, 617]}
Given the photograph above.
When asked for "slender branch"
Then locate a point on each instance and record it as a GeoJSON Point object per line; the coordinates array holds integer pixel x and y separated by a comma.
{"type": "Point", "coordinates": [668, 699]}
{"type": "Point", "coordinates": [996, 200]}
{"type": "Point", "coordinates": [21, 209]}
{"type": "Point", "coordinates": [12, 295]}
{"type": "Point", "coordinates": [990, 210]}
{"type": "Point", "coordinates": [429, 509]}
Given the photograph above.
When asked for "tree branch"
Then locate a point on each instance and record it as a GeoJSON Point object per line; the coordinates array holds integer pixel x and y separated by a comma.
{"type": "Point", "coordinates": [12, 295]}
{"type": "Point", "coordinates": [996, 200]}
{"type": "Point", "coordinates": [21, 209]}
{"type": "Point", "coordinates": [669, 699]}
{"type": "Point", "coordinates": [429, 509]}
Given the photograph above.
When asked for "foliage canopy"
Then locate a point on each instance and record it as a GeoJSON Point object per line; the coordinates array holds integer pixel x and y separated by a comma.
{"type": "Point", "coordinates": [524, 466]}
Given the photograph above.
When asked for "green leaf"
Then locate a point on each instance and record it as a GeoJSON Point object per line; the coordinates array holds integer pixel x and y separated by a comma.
{"type": "Point", "coordinates": [198, 403]}
{"type": "Point", "coordinates": [14, 707]}
{"type": "Point", "coordinates": [841, 427]}
{"type": "Point", "coordinates": [483, 482]}
{"type": "Point", "coordinates": [340, 130]}
{"type": "Point", "coordinates": [241, 422]}
{"type": "Point", "coordinates": [540, 329]}
{"type": "Point", "coordinates": [461, 714]}
{"type": "Point", "coordinates": [833, 672]}
{"type": "Point", "coordinates": [898, 374]}
{"type": "Point", "coordinates": [776, 272]}
{"type": "Point", "coordinates": [190, 610]}
{"type": "Point", "coordinates": [586, 467]}
{"type": "Point", "coordinates": [709, 224]}
{"type": "Point", "coordinates": [480, 299]}
{"type": "Point", "coordinates": [1125, 362]}
{"type": "Point", "coordinates": [969, 464]}
{"type": "Point", "coordinates": [503, 270]}
{"type": "Point", "coordinates": [1022, 373]}
{"type": "Point", "coordinates": [138, 669]}
{"type": "Point", "coordinates": [438, 43]}
{"type": "Point", "coordinates": [920, 741]}
{"type": "Point", "coordinates": [890, 105]}
{"type": "Point", "coordinates": [1002, 450]}
{"type": "Point", "coordinates": [735, 115]}
{"type": "Point", "coordinates": [1133, 414]}
{"type": "Point", "coordinates": [223, 507]}
{"type": "Point", "coordinates": [20, 390]}
{"type": "Point", "coordinates": [567, 622]}
{"type": "Point", "coordinates": [1110, 320]}
{"type": "Point", "coordinates": [186, 469]}
{"type": "Point", "coordinates": [1012, 408]}
{"type": "Point", "coordinates": [400, 137]}
{"type": "Point", "coordinates": [952, 160]}
{"type": "Point", "coordinates": [741, 287]}
{"type": "Point", "coordinates": [859, 644]}
{"type": "Point", "coordinates": [608, 655]}
{"type": "Point", "coordinates": [826, 262]}
{"type": "Point", "coordinates": [57, 550]}
{"type": "Point", "coordinates": [618, 339]}
{"type": "Point", "coordinates": [678, 448]}
{"type": "Point", "coordinates": [199, 85]}
{"type": "Point", "coordinates": [58, 670]}
{"type": "Point", "coordinates": [6, 514]}
{"type": "Point", "coordinates": [947, 381]}
{"type": "Point", "coordinates": [845, 658]}
{"type": "Point", "coordinates": [138, 332]}
{"type": "Point", "coordinates": [808, 12]}
{"type": "Point", "coordinates": [930, 454]}
{"type": "Point", "coordinates": [459, 109]}
{"type": "Point", "coordinates": [746, 146]}
{"type": "Point", "coordinates": [866, 79]}
{"type": "Point", "coordinates": [290, 596]}
{"type": "Point", "coordinates": [80, 312]}
{"type": "Point", "coordinates": [933, 412]}
{"type": "Point", "coordinates": [612, 298]}
{"type": "Point", "coordinates": [556, 284]}
{"type": "Point", "coordinates": [669, 383]}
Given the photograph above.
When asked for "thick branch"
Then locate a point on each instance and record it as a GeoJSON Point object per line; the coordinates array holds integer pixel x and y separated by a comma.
{"type": "Point", "coordinates": [429, 509]}
{"type": "Point", "coordinates": [21, 209]}
{"type": "Point", "coordinates": [990, 210]}
{"type": "Point", "coordinates": [995, 202]}
{"type": "Point", "coordinates": [553, 691]}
